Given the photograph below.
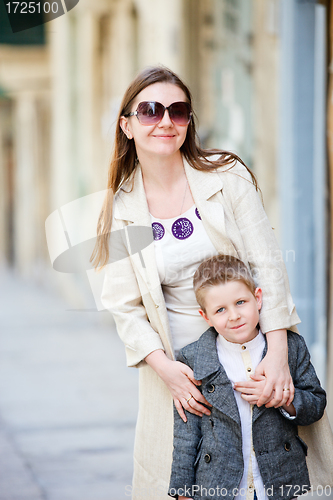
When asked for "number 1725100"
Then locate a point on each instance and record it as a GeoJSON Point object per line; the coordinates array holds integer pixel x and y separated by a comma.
{"type": "Point", "coordinates": [32, 7]}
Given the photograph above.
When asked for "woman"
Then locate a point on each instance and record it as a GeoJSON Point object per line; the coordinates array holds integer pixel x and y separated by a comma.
{"type": "Point", "coordinates": [198, 206]}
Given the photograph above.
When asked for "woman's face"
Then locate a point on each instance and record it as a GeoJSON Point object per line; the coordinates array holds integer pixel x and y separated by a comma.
{"type": "Point", "coordinates": [163, 139]}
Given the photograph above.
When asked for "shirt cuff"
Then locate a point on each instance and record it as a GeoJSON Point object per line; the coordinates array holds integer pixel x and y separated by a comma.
{"type": "Point", "coordinates": [286, 414]}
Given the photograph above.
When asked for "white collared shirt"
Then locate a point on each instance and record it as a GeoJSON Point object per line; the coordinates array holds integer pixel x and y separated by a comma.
{"type": "Point", "coordinates": [239, 362]}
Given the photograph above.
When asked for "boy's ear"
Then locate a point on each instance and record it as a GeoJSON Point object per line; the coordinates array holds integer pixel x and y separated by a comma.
{"type": "Point", "coordinates": [258, 296]}
{"type": "Point", "coordinates": [203, 314]}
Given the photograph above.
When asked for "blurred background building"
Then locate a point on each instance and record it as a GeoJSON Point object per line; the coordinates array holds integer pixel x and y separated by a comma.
{"type": "Point", "coordinates": [261, 76]}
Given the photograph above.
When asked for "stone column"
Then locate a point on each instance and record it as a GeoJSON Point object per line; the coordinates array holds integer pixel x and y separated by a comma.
{"type": "Point", "coordinates": [160, 25]}
{"type": "Point", "coordinates": [86, 120]}
{"type": "Point", "coordinates": [63, 188]}
{"type": "Point", "coordinates": [265, 80]}
{"type": "Point", "coordinates": [25, 192]}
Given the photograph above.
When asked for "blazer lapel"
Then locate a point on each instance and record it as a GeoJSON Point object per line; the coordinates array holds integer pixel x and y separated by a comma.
{"type": "Point", "coordinates": [208, 368]}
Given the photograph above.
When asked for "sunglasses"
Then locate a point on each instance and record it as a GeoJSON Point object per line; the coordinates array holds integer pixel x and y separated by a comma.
{"type": "Point", "coordinates": [152, 112]}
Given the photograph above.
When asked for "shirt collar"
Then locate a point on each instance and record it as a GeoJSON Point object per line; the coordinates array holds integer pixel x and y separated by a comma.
{"type": "Point", "coordinates": [258, 341]}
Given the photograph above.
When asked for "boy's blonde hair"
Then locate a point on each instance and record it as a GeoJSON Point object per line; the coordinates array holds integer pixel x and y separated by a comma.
{"type": "Point", "coordinates": [219, 270]}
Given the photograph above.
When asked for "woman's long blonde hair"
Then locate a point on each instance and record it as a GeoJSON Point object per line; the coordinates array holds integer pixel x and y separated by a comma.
{"type": "Point", "coordinates": [124, 159]}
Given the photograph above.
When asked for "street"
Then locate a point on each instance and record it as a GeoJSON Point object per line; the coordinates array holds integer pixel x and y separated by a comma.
{"type": "Point", "coordinates": [68, 403]}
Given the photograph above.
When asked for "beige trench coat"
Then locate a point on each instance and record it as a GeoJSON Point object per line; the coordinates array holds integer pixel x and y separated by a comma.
{"type": "Point", "coordinates": [236, 223]}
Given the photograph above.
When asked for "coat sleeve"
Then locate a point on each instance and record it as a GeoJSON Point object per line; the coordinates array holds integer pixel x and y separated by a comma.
{"type": "Point", "coordinates": [310, 398]}
{"type": "Point", "coordinates": [186, 450]}
{"type": "Point", "coordinates": [254, 238]}
{"type": "Point", "coordinates": [121, 295]}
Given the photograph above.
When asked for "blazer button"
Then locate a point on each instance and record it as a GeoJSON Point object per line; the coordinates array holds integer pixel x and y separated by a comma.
{"type": "Point", "coordinates": [287, 446]}
{"type": "Point", "coordinates": [207, 458]}
{"type": "Point", "coordinates": [210, 387]}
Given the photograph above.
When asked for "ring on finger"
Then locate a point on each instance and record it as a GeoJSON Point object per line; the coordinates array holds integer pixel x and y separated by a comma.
{"type": "Point", "coordinates": [286, 389]}
{"type": "Point", "coordinates": [189, 399]}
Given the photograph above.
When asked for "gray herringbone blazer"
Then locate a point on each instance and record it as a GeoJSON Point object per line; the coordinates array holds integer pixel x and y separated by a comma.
{"type": "Point", "coordinates": [208, 450]}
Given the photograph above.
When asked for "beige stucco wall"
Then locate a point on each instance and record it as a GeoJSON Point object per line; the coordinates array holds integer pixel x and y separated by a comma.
{"type": "Point", "coordinates": [265, 112]}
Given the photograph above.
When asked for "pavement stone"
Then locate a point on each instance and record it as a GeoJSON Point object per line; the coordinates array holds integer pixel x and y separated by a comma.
{"type": "Point", "coordinates": [16, 478]}
{"type": "Point", "coordinates": [68, 403]}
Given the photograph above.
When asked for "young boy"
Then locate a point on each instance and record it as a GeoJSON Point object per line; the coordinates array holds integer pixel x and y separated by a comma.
{"type": "Point", "coordinates": [240, 450]}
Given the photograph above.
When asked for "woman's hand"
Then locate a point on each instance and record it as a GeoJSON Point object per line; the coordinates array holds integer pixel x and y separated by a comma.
{"type": "Point", "coordinates": [179, 379]}
{"type": "Point", "coordinates": [251, 391]}
{"type": "Point", "coordinates": [279, 388]}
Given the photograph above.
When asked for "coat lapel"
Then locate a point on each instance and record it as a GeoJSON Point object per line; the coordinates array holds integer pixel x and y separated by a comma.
{"type": "Point", "coordinates": [132, 208]}
{"type": "Point", "coordinates": [207, 192]}
{"type": "Point", "coordinates": [208, 368]}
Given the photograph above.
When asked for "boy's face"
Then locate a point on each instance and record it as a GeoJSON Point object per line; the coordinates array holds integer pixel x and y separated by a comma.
{"type": "Point", "coordinates": [233, 311]}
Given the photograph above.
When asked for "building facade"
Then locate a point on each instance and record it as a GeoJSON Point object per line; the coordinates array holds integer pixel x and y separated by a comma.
{"type": "Point", "coordinates": [258, 72]}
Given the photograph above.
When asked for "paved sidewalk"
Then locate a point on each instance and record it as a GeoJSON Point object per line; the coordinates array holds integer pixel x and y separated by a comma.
{"type": "Point", "coordinates": [68, 402]}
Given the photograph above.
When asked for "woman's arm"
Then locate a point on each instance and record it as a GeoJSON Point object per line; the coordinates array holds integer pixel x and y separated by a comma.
{"type": "Point", "coordinates": [253, 237]}
{"type": "Point", "coordinates": [256, 244]}
{"type": "Point", "coordinates": [275, 368]}
{"type": "Point", "coordinates": [123, 298]}
{"type": "Point", "coordinates": [309, 399]}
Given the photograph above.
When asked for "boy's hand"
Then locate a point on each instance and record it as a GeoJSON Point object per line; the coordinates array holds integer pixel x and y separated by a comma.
{"type": "Point", "coordinates": [184, 498]}
{"type": "Point", "coordinates": [251, 391]}
{"type": "Point", "coordinates": [290, 409]}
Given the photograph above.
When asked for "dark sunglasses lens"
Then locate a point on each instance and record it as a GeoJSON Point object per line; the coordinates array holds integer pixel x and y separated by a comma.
{"type": "Point", "coordinates": [150, 113]}
{"type": "Point", "coordinates": [180, 113]}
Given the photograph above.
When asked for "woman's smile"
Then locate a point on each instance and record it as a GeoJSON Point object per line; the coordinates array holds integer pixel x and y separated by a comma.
{"type": "Point", "coordinates": [164, 136]}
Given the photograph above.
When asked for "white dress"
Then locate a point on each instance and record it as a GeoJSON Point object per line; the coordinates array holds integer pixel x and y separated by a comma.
{"type": "Point", "coordinates": [181, 244]}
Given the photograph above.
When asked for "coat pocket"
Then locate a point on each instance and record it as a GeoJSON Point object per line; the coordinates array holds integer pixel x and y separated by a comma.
{"type": "Point", "coordinates": [197, 458]}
